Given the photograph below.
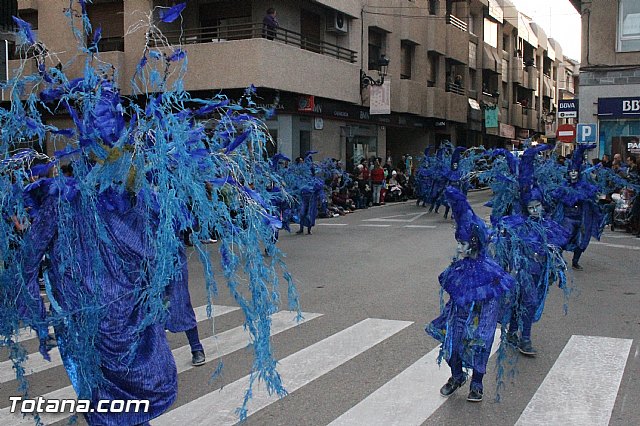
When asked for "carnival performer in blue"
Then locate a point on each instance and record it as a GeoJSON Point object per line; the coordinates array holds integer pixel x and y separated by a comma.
{"type": "Point", "coordinates": [111, 232]}
{"type": "Point", "coordinates": [577, 208]}
{"type": "Point", "coordinates": [478, 288]}
{"type": "Point", "coordinates": [311, 195]}
{"type": "Point", "coordinates": [439, 175]}
{"type": "Point", "coordinates": [455, 176]}
{"type": "Point", "coordinates": [529, 245]}
{"type": "Point", "coordinates": [424, 178]}
{"type": "Point", "coordinates": [181, 314]}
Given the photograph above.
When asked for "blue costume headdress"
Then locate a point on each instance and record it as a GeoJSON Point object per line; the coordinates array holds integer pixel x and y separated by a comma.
{"type": "Point", "coordinates": [577, 159]}
{"type": "Point", "coordinates": [469, 227]}
{"type": "Point", "coordinates": [529, 190]}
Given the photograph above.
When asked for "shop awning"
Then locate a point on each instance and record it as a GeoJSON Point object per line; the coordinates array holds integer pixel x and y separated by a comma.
{"type": "Point", "coordinates": [525, 32]}
{"type": "Point", "coordinates": [491, 59]}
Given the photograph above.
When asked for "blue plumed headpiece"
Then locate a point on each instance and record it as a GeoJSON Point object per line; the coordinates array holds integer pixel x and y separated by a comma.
{"type": "Point", "coordinates": [469, 227]}
{"type": "Point", "coordinates": [578, 156]}
{"type": "Point", "coordinates": [512, 161]}
{"type": "Point", "coordinates": [426, 151]}
{"type": "Point", "coordinates": [528, 188]}
{"type": "Point", "coordinates": [455, 157]}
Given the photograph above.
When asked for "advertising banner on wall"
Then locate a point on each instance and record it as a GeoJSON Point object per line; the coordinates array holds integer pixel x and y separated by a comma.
{"type": "Point", "coordinates": [491, 117]}
{"type": "Point", "coordinates": [380, 99]}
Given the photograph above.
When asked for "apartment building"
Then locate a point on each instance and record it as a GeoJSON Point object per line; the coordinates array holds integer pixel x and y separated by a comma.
{"type": "Point", "coordinates": [610, 73]}
{"type": "Point", "coordinates": [351, 78]}
{"type": "Point", "coordinates": [8, 8]}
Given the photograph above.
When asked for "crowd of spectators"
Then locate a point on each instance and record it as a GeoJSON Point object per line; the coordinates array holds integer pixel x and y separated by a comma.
{"type": "Point", "coordinates": [371, 182]}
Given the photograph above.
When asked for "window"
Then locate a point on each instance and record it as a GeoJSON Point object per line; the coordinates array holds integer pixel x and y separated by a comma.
{"type": "Point", "coordinates": [376, 47]}
{"type": "Point", "coordinates": [433, 7]}
{"type": "Point", "coordinates": [432, 78]}
{"type": "Point", "coordinates": [472, 78]}
{"type": "Point", "coordinates": [473, 50]}
{"type": "Point", "coordinates": [406, 58]}
{"type": "Point", "coordinates": [629, 26]}
{"type": "Point", "coordinates": [491, 33]}
{"type": "Point", "coordinates": [110, 17]}
{"type": "Point", "coordinates": [472, 20]}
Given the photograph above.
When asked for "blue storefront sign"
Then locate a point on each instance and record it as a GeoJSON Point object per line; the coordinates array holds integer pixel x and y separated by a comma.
{"type": "Point", "coordinates": [619, 107]}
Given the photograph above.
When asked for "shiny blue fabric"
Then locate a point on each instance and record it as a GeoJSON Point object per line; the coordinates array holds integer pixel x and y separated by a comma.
{"type": "Point", "coordinates": [478, 289]}
{"type": "Point", "coordinates": [532, 249]}
{"type": "Point", "coordinates": [109, 294]}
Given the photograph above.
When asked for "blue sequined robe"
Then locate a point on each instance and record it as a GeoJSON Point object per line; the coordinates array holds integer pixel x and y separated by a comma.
{"type": "Point", "coordinates": [111, 296]}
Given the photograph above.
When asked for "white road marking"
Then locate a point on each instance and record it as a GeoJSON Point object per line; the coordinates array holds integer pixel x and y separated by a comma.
{"type": "Point", "coordinates": [581, 387]}
{"type": "Point", "coordinates": [218, 407]}
{"type": "Point", "coordinates": [215, 347]}
{"type": "Point", "coordinates": [421, 226]}
{"type": "Point", "coordinates": [376, 226]}
{"type": "Point", "coordinates": [331, 224]}
{"type": "Point", "coordinates": [405, 218]}
{"type": "Point", "coordinates": [36, 363]}
{"type": "Point", "coordinates": [407, 399]}
{"type": "Point", "coordinates": [598, 243]}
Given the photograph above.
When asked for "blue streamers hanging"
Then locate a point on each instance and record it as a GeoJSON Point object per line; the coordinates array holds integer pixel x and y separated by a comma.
{"type": "Point", "coordinates": [143, 171]}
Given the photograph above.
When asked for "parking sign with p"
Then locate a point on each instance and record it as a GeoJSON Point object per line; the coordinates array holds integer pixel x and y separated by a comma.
{"type": "Point", "coordinates": [586, 133]}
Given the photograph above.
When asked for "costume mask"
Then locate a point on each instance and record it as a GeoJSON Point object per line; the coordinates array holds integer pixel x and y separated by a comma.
{"type": "Point", "coordinates": [535, 209]}
{"type": "Point", "coordinates": [573, 175]}
{"type": "Point", "coordinates": [464, 249]}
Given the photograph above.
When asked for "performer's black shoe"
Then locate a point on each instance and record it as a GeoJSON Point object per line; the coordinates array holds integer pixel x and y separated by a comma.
{"type": "Point", "coordinates": [309, 231]}
{"type": "Point", "coordinates": [300, 231]}
{"type": "Point", "coordinates": [451, 386]}
{"type": "Point", "coordinates": [475, 395]}
{"type": "Point", "coordinates": [197, 358]}
{"type": "Point", "coordinates": [577, 267]}
{"type": "Point", "coordinates": [526, 348]}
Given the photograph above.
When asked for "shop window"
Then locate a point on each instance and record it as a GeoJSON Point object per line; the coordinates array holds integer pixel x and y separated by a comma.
{"type": "Point", "coordinates": [433, 7]}
{"type": "Point", "coordinates": [629, 26]}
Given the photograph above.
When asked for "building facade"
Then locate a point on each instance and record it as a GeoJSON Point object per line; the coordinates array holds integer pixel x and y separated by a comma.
{"type": "Point", "coordinates": [610, 73]}
{"type": "Point", "coordinates": [475, 72]}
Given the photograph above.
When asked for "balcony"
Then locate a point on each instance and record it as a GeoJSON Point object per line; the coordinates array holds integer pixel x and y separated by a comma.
{"type": "Point", "coordinates": [457, 40]}
{"type": "Point", "coordinates": [517, 71]}
{"type": "Point", "coordinates": [434, 104]}
{"type": "Point", "coordinates": [457, 106]}
{"type": "Point", "coordinates": [517, 115]}
{"type": "Point", "coordinates": [435, 42]}
{"type": "Point", "coordinates": [548, 88]}
{"type": "Point", "coordinates": [533, 120]}
{"type": "Point", "coordinates": [27, 5]}
{"type": "Point", "coordinates": [235, 32]}
{"type": "Point", "coordinates": [532, 80]}
{"type": "Point", "coordinates": [409, 98]}
{"type": "Point", "coordinates": [214, 65]}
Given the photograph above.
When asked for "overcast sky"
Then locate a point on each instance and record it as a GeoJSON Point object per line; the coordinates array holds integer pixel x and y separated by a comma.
{"type": "Point", "coordinates": [558, 18]}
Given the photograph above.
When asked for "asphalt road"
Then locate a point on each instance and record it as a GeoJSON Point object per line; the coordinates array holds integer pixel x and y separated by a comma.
{"type": "Point", "coordinates": [380, 266]}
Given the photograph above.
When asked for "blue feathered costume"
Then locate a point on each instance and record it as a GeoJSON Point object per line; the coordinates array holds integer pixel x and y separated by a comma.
{"type": "Point", "coordinates": [577, 208]}
{"type": "Point", "coordinates": [110, 234]}
{"type": "Point", "coordinates": [529, 245]}
{"type": "Point", "coordinates": [478, 288]}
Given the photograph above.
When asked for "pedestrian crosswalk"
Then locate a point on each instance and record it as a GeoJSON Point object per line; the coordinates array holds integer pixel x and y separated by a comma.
{"type": "Point", "coordinates": [409, 398]}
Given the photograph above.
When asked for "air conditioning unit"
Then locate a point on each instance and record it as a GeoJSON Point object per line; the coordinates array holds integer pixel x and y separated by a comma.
{"type": "Point", "coordinates": [337, 23]}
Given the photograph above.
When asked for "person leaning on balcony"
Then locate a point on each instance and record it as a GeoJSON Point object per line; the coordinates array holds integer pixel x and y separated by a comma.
{"type": "Point", "coordinates": [270, 24]}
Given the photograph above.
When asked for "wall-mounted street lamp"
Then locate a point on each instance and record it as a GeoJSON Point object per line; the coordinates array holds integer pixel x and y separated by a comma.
{"type": "Point", "coordinates": [365, 80]}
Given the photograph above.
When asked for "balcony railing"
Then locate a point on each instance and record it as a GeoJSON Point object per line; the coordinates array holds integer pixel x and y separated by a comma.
{"type": "Point", "coordinates": [256, 30]}
{"type": "Point", "coordinates": [456, 22]}
{"type": "Point", "coordinates": [455, 88]}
